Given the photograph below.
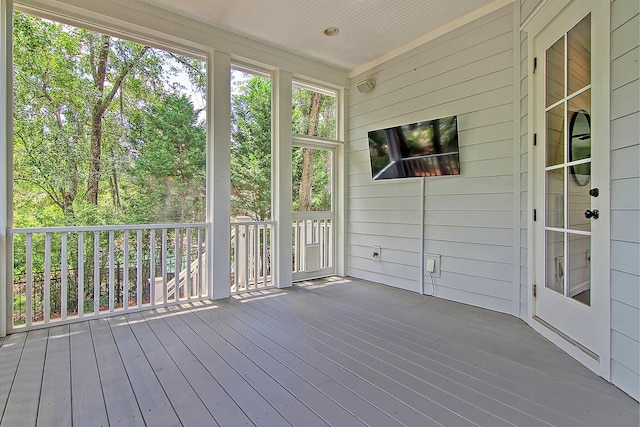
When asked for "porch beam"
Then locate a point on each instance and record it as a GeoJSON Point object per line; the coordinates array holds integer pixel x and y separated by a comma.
{"type": "Point", "coordinates": [281, 176]}
{"type": "Point", "coordinates": [218, 174]}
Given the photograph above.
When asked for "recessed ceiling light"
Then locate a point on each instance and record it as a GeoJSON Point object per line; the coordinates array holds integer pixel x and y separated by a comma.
{"type": "Point", "coordinates": [331, 31]}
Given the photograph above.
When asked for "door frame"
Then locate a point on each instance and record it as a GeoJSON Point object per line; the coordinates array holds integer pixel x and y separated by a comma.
{"type": "Point", "coordinates": [545, 13]}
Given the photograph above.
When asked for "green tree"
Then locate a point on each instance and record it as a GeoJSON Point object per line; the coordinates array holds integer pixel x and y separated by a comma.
{"type": "Point", "coordinates": [251, 149]}
{"type": "Point", "coordinates": [169, 164]}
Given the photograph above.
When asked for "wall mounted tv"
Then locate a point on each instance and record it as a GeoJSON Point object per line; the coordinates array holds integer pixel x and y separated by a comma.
{"type": "Point", "coordinates": [428, 148]}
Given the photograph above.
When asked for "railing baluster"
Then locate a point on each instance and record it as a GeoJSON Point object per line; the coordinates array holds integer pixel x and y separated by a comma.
{"type": "Point", "coordinates": [96, 272]}
{"type": "Point", "coordinates": [125, 273]}
{"type": "Point", "coordinates": [199, 283]}
{"type": "Point", "coordinates": [246, 241]}
{"type": "Point", "coordinates": [256, 252]}
{"type": "Point", "coordinates": [139, 268]}
{"type": "Point", "coordinates": [178, 264]}
{"type": "Point", "coordinates": [187, 284]}
{"type": "Point", "coordinates": [47, 278]}
{"type": "Point", "coordinates": [112, 269]}
{"type": "Point", "coordinates": [80, 284]}
{"type": "Point", "coordinates": [264, 253]}
{"type": "Point", "coordinates": [29, 281]}
{"type": "Point", "coordinates": [63, 276]}
{"type": "Point", "coordinates": [164, 265]}
{"type": "Point", "coordinates": [152, 266]}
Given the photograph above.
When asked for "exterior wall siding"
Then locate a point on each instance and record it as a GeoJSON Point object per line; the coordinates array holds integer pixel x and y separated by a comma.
{"type": "Point", "coordinates": [468, 219]}
{"type": "Point", "coordinates": [625, 197]}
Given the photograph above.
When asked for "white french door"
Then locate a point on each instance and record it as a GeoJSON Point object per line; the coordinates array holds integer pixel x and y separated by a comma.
{"type": "Point", "coordinates": [571, 228]}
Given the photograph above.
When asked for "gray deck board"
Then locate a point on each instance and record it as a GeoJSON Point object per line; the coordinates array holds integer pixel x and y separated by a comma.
{"type": "Point", "coordinates": [87, 399]}
{"type": "Point", "coordinates": [332, 352]}
{"type": "Point", "coordinates": [120, 400]}
{"type": "Point", "coordinates": [330, 411]}
{"type": "Point", "coordinates": [153, 402]}
{"type": "Point", "coordinates": [257, 407]}
{"type": "Point", "coordinates": [11, 351]}
{"type": "Point", "coordinates": [214, 397]}
{"type": "Point", "coordinates": [185, 401]}
{"type": "Point", "coordinates": [24, 398]}
{"type": "Point", "coordinates": [55, 396]}
{"type": "Point", "coordinates": [333, 388]}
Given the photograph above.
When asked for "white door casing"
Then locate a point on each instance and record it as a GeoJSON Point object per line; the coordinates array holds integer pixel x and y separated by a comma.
{"type": "Point", "coordinates": [583, 330]}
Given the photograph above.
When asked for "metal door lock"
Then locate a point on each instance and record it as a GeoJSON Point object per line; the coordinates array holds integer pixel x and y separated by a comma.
{"type": "Point", "coordinates": [595, 214]}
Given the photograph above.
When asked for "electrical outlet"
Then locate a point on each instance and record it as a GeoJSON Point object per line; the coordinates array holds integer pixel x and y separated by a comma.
{"type": "Point", "coordinates": [376, 253]}
{"type": "Point", "coordinates": [432, 264]}
{"type": "Point", "coordinates": [430, 267]}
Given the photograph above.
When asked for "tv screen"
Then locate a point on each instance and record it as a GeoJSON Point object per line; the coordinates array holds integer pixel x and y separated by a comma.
{"type": "Point", "coordinates": [428, 148]}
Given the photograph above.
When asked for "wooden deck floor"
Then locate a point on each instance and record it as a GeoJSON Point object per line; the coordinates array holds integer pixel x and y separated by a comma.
{"type": "Point", "coordinates": [334, 352]}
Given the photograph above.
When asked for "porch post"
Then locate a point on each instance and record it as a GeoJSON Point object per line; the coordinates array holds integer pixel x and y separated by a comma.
{"type": "Point", "coordinates": [6, 162]}
{"type": "Point", "coordinates": [218, 174]}
{"type": "Point", "coordinates": [281, 176]}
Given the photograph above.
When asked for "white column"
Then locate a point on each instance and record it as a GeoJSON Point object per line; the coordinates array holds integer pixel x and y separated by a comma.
{"type": "Point", "coordinates": [218, 174]}
{"type": "Point", "coordinates": [281, 176]}
{"type": "Point", "coordinates": [340, 187]}
{"type": "Point", "coordinates": [6, 162]}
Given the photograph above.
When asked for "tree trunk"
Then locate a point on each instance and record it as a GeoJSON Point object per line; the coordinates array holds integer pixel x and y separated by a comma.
{"type": "Point", "coordinates": [306, 181]}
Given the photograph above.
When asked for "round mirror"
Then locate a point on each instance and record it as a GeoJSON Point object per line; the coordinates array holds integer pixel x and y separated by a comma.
{"type": "Point", "coordinates": [580, 146]}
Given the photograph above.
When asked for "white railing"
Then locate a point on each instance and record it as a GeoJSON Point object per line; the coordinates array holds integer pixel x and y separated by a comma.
{"type": "Point", "coordinates": [312, 241]}
{"type": "Point", "coordinates": [61, 274]}
{"type": "Point", "coordinates": [251, 255]}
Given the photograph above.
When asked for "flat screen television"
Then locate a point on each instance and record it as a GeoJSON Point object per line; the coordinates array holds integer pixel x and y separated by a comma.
{"type": "Point", "coordinates": [428, 148]}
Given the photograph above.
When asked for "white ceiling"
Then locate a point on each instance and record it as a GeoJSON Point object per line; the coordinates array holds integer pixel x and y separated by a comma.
{"type": "Point", "coordinates": [369, 29]}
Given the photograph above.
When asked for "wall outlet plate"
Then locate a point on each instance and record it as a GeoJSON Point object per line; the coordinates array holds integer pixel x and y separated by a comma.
{"type": "Point", "coordinates": [431, 264]}
{"type": "Point", "coordinates": [376, 253]}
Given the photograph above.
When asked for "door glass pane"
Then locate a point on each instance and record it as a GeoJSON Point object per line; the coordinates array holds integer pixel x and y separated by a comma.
{"type": "Point", "coordinates": [555, 198]}
{"type": "Point", "coordinates": [555, 261]}
{"type": "Point", "coordinates": [555, 72]}
{"type": "Point", "coordinates": [555, 136]}
{"type": "Point", "coordinates": [578, 202]}
{"type": "Point", "coordinates": [579, 55]}
{"type": "Point", "coordinates": [312, 168]}
{"type": "Point", "coordinates": [579, 131]}
{"type": "Point", "coordinates": [579, 268]}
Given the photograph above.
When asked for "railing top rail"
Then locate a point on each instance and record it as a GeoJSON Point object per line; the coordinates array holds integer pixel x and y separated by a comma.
{"type": "Point", "coordinates": [87, 228]}
{"type": "Point", "coordinates": [313, 215]}
{"type": "Point", "coordinates": [253, 223]}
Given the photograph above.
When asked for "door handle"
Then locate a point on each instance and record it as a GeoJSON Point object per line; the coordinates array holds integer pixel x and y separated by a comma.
{"type": "Point", "coordinates": [595, 214]}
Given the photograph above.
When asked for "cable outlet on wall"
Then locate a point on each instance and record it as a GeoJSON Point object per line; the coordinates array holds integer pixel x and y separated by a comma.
{"type": "Point", "coordinates": [376, 253]}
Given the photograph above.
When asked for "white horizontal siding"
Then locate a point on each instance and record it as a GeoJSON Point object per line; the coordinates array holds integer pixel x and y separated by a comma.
{"type": "Point", "coordinates": [625, 197]}
{"type": "Point", "coordinates": [468, 218]}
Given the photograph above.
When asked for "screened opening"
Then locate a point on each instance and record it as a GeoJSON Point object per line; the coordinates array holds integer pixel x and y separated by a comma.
{"type": "Point", "coordinates": [314, 111]}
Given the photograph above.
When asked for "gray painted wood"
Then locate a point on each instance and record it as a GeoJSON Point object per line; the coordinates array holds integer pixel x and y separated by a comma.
{"type": "Point", "coordinates": [22, 405]}
{"type": "Point", "coordinates": [55, 395]}
{"type": "Point", "coordinates": [152, 399]}
{"type": "Point", "coordinates": [254, 405]}
{"type": "Point", "coordinates": [213, 396]}
{"type": "Point", "coordinates": [185, 401]}
{"type": "Point", "coordinates": [11, 351]}
{"type": "Point", "coordinates": [120, 400]}
{"type": "Point", "coordinates": [338, 351]}
{"type": "Point", "coordinates": [87, 399]}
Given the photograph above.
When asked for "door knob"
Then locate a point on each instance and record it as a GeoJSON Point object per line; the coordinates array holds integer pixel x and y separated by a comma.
{"type": "Point", "coordinates": [595, 214]}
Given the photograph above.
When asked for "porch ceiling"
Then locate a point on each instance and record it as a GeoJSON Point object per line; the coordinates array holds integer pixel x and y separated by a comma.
{"type": "Point", "coordinates": [369, 29]}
